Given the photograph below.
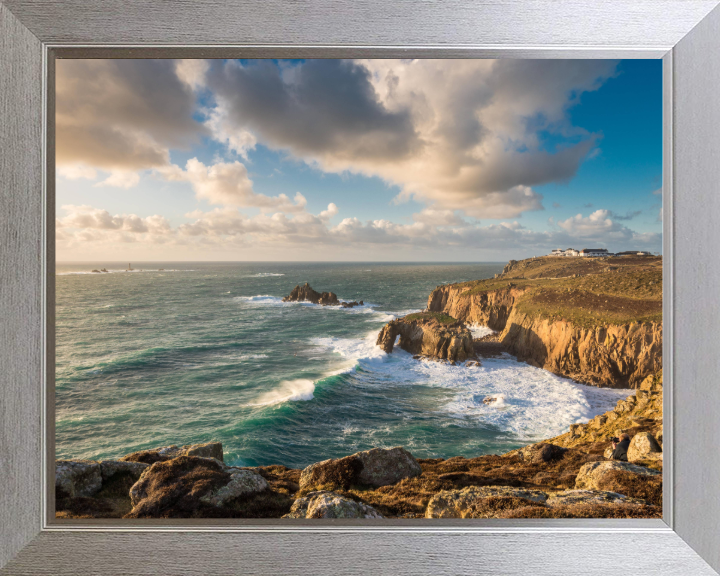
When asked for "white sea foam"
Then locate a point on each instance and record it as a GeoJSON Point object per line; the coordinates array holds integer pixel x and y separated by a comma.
{"type": "Point", "coordinates": [288, 391]}
{"type": "Point", "coordinates": [263, 275]}
{"type": "Point", "coordinates": [275, 301]}
{"type": "Point", "coordinates": [533, 403]}
{"type": "Point", "coordinates": [479, 331]}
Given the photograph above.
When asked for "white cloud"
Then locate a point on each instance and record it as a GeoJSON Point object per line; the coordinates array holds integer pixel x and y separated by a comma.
{"type": "Point", "coordinates": [457, 134]}
{"type": "Point", "coordinates": [228, 184]}
{"type": "Point", "coordinates": [77, 171]}
{"type": "Point", "coordinates": [87, 218]}
{"type": "Point", "coordinates": [192, 72]}
{"type": "Point", "coordinates": [121, 179]}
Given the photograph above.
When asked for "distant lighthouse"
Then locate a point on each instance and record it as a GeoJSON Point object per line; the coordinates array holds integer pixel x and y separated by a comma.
{"type": "Point", "coordinates": [129, 268]}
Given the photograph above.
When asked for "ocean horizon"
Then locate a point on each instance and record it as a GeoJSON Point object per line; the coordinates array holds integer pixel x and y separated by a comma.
{"type": "Point", "coordinates": [188, 352]}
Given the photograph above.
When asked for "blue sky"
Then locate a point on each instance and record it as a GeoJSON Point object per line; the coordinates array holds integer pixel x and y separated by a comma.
{"type": "Point", "coordinates": [393, 160]}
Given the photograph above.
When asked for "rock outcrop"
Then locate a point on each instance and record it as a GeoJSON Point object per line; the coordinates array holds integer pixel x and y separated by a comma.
{"type": "Point", "coordinates": [481, 501]}
{"type": "Point", "coordinates": [426, 334]}
{"type": "Point", "coordinates": [594, 475]}
{"type": "Point", "coordinates": [324, 504]}
{"type": "Point", "coordinates": [206, 450]}
{"type": "Point", "coordinates": [77, 478]}
{"type": "Point", "coordinates": [305, 293]}
{"type": "Point", "coordinates": [376, 467]}
{"type": "Point", "coordinates": [644, 446]}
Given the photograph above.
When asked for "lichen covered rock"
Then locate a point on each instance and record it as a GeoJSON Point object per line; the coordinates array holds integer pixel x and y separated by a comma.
{"type": "Point", "coordinates": [110, 468]}
{"type": "Point", "coordinates": [206, 450]}
{"type": "Point", "coordinates": [324, 504]}
{"type": "Point", "coordinates": [591, 475]}
{"type": "Point", "coordinates": [593, 497]}
{"type": "Point", "coordinates": [75, 478]}
{"type": "Point", "coordinates": [643, 446]}
{"type": "Point", "coordinates": [376, 467]}
{"type": "Point", "coordinates": [481, 501]}
{"type": "Point", "coordinates": [242, 483]}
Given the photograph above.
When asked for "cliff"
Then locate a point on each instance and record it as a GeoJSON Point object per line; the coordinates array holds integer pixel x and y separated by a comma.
{"type": "Point", "coordinates": [428, 334]}
{"type": "Point", "coordinates": [598, 322]}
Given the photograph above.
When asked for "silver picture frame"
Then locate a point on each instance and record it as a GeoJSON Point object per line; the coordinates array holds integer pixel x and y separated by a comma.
{"type": "Point", "coordinates": [684, 33]}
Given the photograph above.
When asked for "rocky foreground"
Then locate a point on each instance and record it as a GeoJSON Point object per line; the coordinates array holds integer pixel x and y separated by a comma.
{"type": "Point", "coordinates": [569, 476]}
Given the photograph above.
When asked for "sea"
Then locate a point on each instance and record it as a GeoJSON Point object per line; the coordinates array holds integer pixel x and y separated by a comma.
{"type": "Point", "coordinates": [182, 353]}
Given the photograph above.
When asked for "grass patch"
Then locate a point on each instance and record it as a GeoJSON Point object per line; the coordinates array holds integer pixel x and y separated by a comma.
{"type": "Point", "coordinates": [440, 317]}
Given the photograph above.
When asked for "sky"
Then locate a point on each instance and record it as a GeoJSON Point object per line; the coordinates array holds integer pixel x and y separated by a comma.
{"type": "Point", "coordinates": [356, 160]}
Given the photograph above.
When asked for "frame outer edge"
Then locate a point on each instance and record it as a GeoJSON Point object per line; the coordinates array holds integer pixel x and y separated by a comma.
{"type": "Point", "coordinates": [20, 283]}
{"type": "Point", "coordinates": [696, 397]}
{"type": "Point", "coordinates": [21, 164]}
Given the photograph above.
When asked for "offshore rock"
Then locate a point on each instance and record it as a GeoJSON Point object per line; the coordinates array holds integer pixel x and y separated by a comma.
{"type": "Point", "coordinates": [324, 504]}
{"type": "Point", "coordinates": [428, 334]}
{"type": "Point", "coordinates": [305, 293]}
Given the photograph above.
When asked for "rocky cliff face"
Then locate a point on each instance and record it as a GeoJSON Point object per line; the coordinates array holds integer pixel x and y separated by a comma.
{"type": "Point", "coordinates": [611, 356]}
{"type": "Point", "coordinates": [429, 337]}
{"type": "Point", "coordinates": [491, 309]}
{"type": "Point", "coordinates": [614, 356]}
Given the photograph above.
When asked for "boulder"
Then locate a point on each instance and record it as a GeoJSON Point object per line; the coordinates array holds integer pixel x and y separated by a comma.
{"type": "Point", "coordinates": [376, 467]}
{"type": "Point", "coordinates": [77, 478]}
{"type": "Point", "coordinates": [324, 504]}
{"type": "Point", "coordinates": [242, 483]}
{"type": "Point", "coordinates": [306, 294]}
{"type": "Point", "coordinates": [109, 468]}
{"type": "Point", "coordinates": [206, 450]}
{"type": "Point", "coordinates": [573, 497]}
{"type": "Point", "coordinates": [382, 467]}
{"type": "Point", "coordinates": [643, 446]}
{"type": "Point", "coordinates": [481, 501]}
{"type": "Point", "coordinates": [542, 452]}
{"type": "Point", "coordinates": [174, 488]}
{"type": "Point", "coordinates": [334, 473]}
{"type": "Point", "coordinates": [591, 474]}
{"type": "Point", "coordinates": [608, 453]}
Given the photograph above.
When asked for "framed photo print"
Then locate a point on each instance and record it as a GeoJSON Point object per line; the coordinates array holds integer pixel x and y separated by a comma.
{"type": "Point", "coordinates": [411, 289]}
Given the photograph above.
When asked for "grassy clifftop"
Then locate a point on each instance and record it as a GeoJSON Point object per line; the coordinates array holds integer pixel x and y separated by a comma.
{"type": "Point", "coordinates": [585, 291]}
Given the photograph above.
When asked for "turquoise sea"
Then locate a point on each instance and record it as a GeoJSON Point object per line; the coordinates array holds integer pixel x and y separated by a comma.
{"type": "Point", "coordinates": [180, 353]}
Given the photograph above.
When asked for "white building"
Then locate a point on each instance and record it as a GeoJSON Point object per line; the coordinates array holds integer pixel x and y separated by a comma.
{"type": "Point", "coordinates": [594, 252]}
{"type": "Point", "coordinates": [561, 252]}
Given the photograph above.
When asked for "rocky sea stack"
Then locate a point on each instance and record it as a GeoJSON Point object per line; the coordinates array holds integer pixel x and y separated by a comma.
{"type": "Point", "coordinates": [429, 334]}
{"type": "Point", "coordinates": [305, 293]}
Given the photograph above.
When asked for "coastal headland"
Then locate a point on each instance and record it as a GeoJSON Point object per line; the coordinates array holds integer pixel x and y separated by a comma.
{"type": "Point", "coordinates": [598, 321]}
